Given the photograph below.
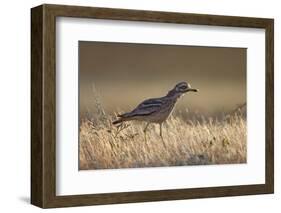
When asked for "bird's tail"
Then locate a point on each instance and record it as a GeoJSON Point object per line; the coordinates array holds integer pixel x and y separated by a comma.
{"type": "Point", "coordinates": [121, 119]}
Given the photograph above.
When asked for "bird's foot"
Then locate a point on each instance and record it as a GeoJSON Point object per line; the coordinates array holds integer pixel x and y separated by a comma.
{"type": "Point", "coordinates": [163, 141]}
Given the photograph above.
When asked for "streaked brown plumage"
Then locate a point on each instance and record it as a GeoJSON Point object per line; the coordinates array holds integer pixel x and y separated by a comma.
{"type": "Point", "coordinates": [156, 110]}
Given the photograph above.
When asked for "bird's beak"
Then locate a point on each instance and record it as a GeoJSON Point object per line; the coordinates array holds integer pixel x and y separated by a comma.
{"type": "Point", "coordinates": [192, 90]}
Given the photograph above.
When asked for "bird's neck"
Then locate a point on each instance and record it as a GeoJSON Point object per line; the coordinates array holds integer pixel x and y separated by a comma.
{"type": "Point", "coordinates": [173, 94]}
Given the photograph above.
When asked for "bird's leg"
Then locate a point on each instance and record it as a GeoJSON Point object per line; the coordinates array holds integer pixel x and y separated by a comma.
{"type": "Point", "coordinates": [161, 130]}
{"type": "Point", "coordinates": [162, 135]}
{"type": "Point", "coordinates": [145, 130]}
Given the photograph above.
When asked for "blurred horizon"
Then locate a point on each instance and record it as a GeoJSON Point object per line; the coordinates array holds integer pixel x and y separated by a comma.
{"type": "Point", "coordinates": [125, 74]}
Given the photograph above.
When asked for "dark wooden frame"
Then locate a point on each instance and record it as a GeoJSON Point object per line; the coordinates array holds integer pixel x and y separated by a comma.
{"type": "Point", "coordinates": [43, 105]}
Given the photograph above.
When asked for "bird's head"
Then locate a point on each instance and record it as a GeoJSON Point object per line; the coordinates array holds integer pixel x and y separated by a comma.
{"type": "Point", "coordinates": [184, 87]}
{"type": "Point", "coordinates": [180, 89]}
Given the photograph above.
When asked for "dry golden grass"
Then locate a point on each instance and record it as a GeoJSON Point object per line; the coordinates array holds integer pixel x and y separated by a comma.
{"type": "Point", "coordinates": [103, 146]}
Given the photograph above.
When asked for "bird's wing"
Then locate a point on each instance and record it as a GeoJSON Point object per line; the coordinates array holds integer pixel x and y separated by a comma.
{"type": "Point", "coordinates": [147, 107]}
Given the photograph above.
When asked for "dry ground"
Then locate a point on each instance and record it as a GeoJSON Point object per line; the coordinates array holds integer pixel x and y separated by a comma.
{"type": "Point", "coordinates": [104, 146]}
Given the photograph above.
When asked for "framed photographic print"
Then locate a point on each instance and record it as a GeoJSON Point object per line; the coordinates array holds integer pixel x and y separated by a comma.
{"type": "Point", "coordinates": [136, 106]}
